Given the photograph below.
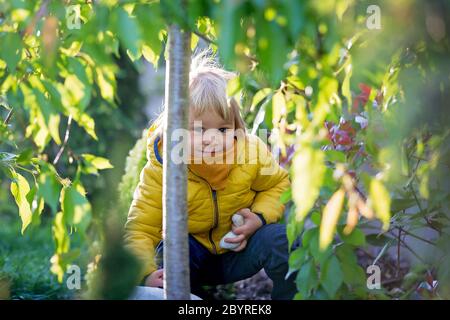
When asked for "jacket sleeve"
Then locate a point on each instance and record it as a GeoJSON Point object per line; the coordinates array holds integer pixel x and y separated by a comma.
{"type": "Point", "coordinates": [143, 229]}
{"type": "Point", "coordinates": [270, 182]}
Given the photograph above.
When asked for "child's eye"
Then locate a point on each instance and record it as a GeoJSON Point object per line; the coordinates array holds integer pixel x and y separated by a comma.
{"type": "Point", "coordinates": [223, 130]}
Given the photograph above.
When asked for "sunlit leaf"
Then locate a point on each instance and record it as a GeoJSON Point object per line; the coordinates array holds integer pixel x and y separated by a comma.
{"type": "Point", "coordinates": [381, 202]}
{"type": "Point", "coordinates": [19, 189]}
{"type": "Point", "coordinates": [95, 163]}
{"type": "Point", "coordinates": [76, 208]}
{"type": "Point", "coordinates": [150, 55]}
{"type": "Point", "coordinates": [50, 114]}
{"type": "Point", "coordinates": [62, 242]}
{"type": "Point", "coordinates": [346, 83]}
{"type": "Point", "coordinates": [341, 7]}
{"type": "Point", "coordinates": [278, 107]}
{"type": "Point", "coordinates": [106, 82]}
{"type": "Point", "coordinates": [330, 217]}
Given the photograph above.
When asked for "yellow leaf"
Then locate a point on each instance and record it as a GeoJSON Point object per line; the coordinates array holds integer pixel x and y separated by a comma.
{"type": "Point", "coordinates": [150, 55]}
{"type": "Point", "coordinates": [341, 7]}
{"type": "Point", "coordinates": [381, 202]}
{"type": "Point", "coordinates": [278, 107]}
{"type": "Point", "coordinates": [98, 162]}
{"type": "Point", "coordinates": [330, 218]}
{"type": "Point", "coordinates": [194, 41]}
{"type": "Point", "coordinates": [20, 189]}
{"type": "Point", "coordinates": [105, 81]}
{"type": "Point", "coordinates": [352, 215]}
{"type": "Point", "coordinates": [233, 86]}
{"type": "Point", "coordinates": [364, 209]}
{"type": "Point", "coordinates": [259, 96]}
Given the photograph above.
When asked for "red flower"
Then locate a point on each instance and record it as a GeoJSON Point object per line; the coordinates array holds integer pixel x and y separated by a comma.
{"type": "Point", "coordinates": [361, 99]}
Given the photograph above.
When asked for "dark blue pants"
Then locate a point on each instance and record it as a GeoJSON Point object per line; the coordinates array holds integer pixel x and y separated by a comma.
{"type": "Point", "coordinates": [267, 248]}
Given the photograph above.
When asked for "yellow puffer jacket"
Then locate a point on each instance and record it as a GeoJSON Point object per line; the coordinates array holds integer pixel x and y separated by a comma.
{"type": "Point", "coordinates": [255, 182]}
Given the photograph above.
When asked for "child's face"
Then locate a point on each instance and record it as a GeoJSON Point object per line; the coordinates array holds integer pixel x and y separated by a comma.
{"type": "Point", "coordinates": [210, 133]}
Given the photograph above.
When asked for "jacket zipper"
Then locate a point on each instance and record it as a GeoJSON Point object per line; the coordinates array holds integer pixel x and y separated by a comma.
{"type": "Point", "coordinates": [216, 213]}
{"type": "Point", "coordinates": [216, 218]}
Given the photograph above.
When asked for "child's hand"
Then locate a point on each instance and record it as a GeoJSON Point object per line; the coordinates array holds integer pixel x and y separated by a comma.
{"type": "Point", "coordinates": [251, 223]}
{"type": "Point", "coordinates": [155, 279]}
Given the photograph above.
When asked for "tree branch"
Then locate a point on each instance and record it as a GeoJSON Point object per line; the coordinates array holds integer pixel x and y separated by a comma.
{"type": "Point", "coordinates": [41, 12]}
{"type": "Point", "coordinates": [66, 139]}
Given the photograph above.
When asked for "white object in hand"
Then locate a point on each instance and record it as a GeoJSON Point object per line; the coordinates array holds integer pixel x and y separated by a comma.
{"type": "Point", "coordinates": [238, 221]}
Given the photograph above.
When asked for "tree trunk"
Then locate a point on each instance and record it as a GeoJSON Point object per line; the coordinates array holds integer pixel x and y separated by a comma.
{"type": "Point", "coordinates": [176, 247]}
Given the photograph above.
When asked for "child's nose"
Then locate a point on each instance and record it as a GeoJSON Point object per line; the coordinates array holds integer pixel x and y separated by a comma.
{"type": "Point", "coordinates": [207, 141]}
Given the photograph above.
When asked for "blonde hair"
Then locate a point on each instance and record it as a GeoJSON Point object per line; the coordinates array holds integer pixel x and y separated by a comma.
{"type": "Point", "coordinates": [208, 91]}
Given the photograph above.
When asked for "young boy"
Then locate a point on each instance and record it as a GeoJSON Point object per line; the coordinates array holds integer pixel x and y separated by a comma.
{"type": "Point", "coordinates": [249, 185]}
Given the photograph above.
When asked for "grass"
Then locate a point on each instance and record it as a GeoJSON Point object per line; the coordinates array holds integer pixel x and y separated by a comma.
{"type": "Point", "coordinates": [25, 262]}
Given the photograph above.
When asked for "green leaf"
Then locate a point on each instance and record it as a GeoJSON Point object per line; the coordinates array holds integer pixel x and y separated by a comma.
{"type": "Point", "coordinates": [335, 156]}
{"type": "Point", "coordinates": [355, 238]}
{"type": "Point", "coordinates": [293, 228]}
{"type": "Point", "coordinates": [84, 121]}
{"type": "Point", "coordinates": [149, 18]}
{"type": "Point", "coordinates": [327, 89]}
{"type": "Point", "coordinates": [128, 31]}
{"type": "Point", "coordinates": [11, 49]}
{"type": "Point", "coordinates": [50, 114]}
{"type": "Point", "coordinates": [272, 49]}
{"type": "Point", "coordinates": [381, 202]}
{"type": "Point", "coordinates": [286, 196]}
{"type": "Point", "coordinates": [94, 163]}
{"type": "Point", "coordinates": [353, 274]}
{"type": "Point", "coordinates": [49, 189]}
{"type": "Point", "coordinates": [378, 240]}
{"type": "Point", "coordinates": [228, 15]}
{"type": "Point", "coordinates": [308, 235]}
{"type": "Point", "coordinates": [296, 260]}
{"type": "Point", "coordinates": [308, 172]}
{"type": "Point", "coordinates": [402, 204]}
{"type": "Point", "coordinates": [19, 189]}
{"type": "Point", "coordinates": [36, 204]}
{"type": "Point", "coordinates": [316, 217]}
{"type": "Point", "coordinates": [294, 11]}
{"type": "Point", "coordinates": [76, 208]}
{"type": "Point", "coordinates": [62, 243]}
{"type": "Point", "coordinates": [313, 244]}
{"type": "Point", "coordinates": [106, 82]}
{"type": "Point", "coordinates": [60, 233]}
{"type": "Point", "coordinates": [306, 279]}
{"type": "Point", "coordinates": [78, 81]}
{"type": "Point", "coordinates": [55, 96]}
{"type": "Point", "coordinates": [331, 276]}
